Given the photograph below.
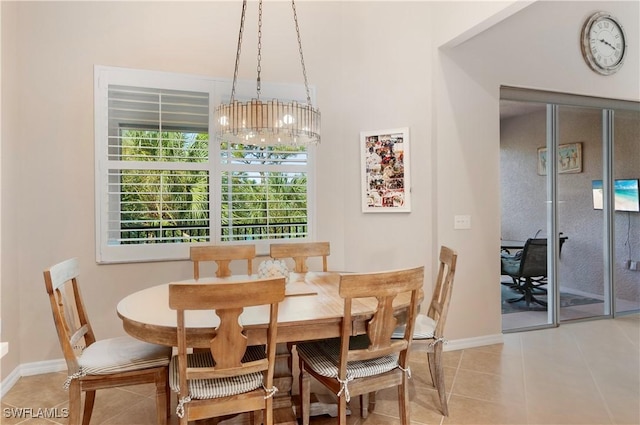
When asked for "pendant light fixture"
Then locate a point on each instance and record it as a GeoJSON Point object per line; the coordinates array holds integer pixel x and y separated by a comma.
{"type": "Point", "coordinates": [274, 122]}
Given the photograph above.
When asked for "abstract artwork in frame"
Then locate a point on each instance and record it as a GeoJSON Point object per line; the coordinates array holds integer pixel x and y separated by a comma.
{"type": "Point", "coordinates": [385, 170]}
{"type": "Point", "coordinates": [569, 159]}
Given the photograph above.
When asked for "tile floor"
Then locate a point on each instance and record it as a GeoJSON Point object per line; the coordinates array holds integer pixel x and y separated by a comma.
{"type": "Point", "coordinates": [580, 373]}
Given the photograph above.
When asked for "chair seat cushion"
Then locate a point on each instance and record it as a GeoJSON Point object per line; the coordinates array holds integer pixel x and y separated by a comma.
{"type": "Point", "coordinates": [122, 354]}
{"type": "Point", "coordinates": [510, 266]}
{"type": "Point", "coordinates": [323, 357]}
{"type": "Point", "coordinates": [202, 389]}
{"type": "Point", "coordinates": [424, 328]}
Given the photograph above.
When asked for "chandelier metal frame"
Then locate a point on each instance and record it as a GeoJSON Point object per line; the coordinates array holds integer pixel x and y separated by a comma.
{"type": "Point", "coordinates": [273, 122]}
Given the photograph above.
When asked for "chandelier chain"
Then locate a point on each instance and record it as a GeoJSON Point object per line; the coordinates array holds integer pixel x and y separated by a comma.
{"type": "Point", "coordinates": [304, 70]}
{"type": "Point", "coordinates": [259, 45]}
{"type": "Point", "coordinates": [235, 72]}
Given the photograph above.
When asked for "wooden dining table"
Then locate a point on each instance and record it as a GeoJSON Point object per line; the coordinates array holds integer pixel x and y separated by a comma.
{"type": "Point", "coordinates": [312, 309]}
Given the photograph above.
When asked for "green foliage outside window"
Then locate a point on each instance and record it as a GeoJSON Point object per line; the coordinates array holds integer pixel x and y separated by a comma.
{"type": "Point", "coordinates": [164, 206]}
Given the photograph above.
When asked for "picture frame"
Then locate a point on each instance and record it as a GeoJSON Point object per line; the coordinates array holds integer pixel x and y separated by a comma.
{"type": "Point", "coordinates": [385, 171]}
{"type": "Point", "coordinates": [569, 159]}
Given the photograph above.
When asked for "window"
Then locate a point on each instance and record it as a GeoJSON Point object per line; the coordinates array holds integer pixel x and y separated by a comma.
{"type": "Point", "coordinates": [165, 182]}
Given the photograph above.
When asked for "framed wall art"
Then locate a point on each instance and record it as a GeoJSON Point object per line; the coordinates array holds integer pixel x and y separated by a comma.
{"type": "Point", "coordinates": [569, 159]}
{"type": "Point", "coordinates": [385, 171]}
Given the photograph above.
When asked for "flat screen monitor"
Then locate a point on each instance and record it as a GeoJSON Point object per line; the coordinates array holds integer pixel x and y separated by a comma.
{"type": "Point", "coordinates": [626, 195]}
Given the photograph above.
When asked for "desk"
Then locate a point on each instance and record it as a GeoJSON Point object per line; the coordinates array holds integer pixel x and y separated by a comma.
{"type": "Point", "coordinates": [312, 309]}
{"type": "Point", "coordinates": [507, 244]}
{"type": "Point", "coordinates": [514, 244]}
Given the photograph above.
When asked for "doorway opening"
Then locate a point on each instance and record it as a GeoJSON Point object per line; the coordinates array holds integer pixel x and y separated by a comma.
{"type": "Point", "coordinates": [589, 262]}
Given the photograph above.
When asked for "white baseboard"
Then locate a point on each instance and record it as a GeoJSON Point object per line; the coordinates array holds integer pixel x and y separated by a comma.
{"type": "Point", "coordinates": [28, 369]}
{"type": "Point", "coordinates": [479, 341]}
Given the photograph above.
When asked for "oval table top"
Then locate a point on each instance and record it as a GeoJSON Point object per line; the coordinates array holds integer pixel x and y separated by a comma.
{"type": "Point", "coordinates": [312, 309]}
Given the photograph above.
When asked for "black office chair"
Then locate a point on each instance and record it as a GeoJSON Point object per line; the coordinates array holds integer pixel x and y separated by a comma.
{"type": "Point", "coordinates": [529, 271]}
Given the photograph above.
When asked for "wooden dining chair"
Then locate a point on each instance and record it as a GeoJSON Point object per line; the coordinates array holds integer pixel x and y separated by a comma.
{"type": "Point", "coordinates": [222, 255]}
{"type": "Point", "coordinates": [228, 377]}
{"type": "Point", "coordinates": [428, 333]}
{"type": "Point", "coordinates": [300, 252]}
{"type": "Point", "coordinates": [97, 364]}
{"type": "Point", "coordinates": [359, 365]}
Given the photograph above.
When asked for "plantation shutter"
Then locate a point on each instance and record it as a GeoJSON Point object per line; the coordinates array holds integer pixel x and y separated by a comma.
{"type": "Point", "coordinates": [264, 192]}
{"type": "Point", "coordinates": [158, 177]}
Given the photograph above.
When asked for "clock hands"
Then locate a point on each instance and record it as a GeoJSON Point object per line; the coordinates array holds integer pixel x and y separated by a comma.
{"type": "Point", "coordinates": [602, 40]}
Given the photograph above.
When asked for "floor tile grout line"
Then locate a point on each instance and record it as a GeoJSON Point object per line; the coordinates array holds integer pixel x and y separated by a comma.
{"type": "Point", "coordinates": [626, 336]}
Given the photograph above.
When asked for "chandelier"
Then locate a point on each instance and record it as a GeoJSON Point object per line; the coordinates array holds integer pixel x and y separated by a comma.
{"type": "Point", "coordinates": [274, 122]}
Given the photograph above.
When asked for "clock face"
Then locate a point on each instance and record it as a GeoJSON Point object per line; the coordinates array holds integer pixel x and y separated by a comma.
{"type": "Point", "coordinates": [603, 43]}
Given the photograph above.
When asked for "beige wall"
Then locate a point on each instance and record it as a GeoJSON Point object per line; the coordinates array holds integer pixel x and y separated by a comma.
{"type": "Point", "coordinates": [10, 289]}
{"type": "Point", "coordinates": [375, 66]}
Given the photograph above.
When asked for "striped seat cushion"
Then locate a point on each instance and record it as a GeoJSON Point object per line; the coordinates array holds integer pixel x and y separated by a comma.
{"type": "Point", "coordinates": [424, 328]}
{"type": "Point", "coordinates": [202, 389]}
{"type": "Point", "coordinates": [323, 357]}
{"type": "Point", "coordinates": [121, 355]}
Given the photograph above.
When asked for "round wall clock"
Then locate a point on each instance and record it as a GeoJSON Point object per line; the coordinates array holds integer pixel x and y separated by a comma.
{"type": "Point", "coordinates": [604, 44]}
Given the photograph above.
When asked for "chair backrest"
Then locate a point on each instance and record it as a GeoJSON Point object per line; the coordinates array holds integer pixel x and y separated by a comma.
{"type": "Point", "coordinates": [300, 252]}
{"type": "Point", "coordinates": [69, 314]}
{"type": "Point", "coordinates": [385, 286]}
{"type": "Point", "coordinates": [228, 342]}
{"type": "Point", "coordinates": [533, 262]}
{"type": "Point", "coordinates": [441, 298]}
{"type": "Point", "coordinates": [222, 255]}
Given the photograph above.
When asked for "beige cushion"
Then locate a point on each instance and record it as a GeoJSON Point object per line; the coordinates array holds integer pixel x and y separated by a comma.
{"type": "Point", "coordinates": [121, 355]}
{"type": "Point", "coordinates": [424, 328]}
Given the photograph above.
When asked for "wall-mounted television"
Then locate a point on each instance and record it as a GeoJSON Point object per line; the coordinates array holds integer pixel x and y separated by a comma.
{"type": "Point", "coordinates": [626, 195]}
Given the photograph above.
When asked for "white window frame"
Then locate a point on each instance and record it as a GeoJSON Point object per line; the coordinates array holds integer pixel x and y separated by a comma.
{"type": "Point", "coordinates": [219, 90]}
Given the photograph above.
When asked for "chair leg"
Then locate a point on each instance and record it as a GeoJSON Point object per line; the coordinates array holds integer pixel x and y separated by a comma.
{"type": "Point", "coordinates": [364, 405]}
{"type": "Point", "coordinates": [342, 409]}
{"type": "Point", "coordinates": [162, 401]}
{"type": "Point", "coordinates": [403, 400]}
{"type": "Point", "coordinates": [75, 402]}
{"type": "Point", "coordinates": [305, 394]}
{"type": "Point", "coordinates": [372, 401]}
{"type": "Point", "coordinates": [432, 372]}
{"type": "Point", "coordinates": [168, 394]}
{"type": "Point", "coordinates": [268, 412]}
{"type": "Point", "coordinates": [89, 400]}
{"type": "Point", "coordinates": [258, 417]}
{"type": "Point", "coordinates": [367, 404]}
{"type": "Point", "coordinates": [439, 382]}
{"type": "Point", "coordinates": [527, 289]}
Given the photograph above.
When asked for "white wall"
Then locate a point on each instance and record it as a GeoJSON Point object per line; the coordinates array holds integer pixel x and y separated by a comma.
{"type": "Point", "coordinates": [375, 66]}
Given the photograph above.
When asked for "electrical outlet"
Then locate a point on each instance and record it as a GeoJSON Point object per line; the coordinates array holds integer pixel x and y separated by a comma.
{"type": "Point", "coordinates": [633, 265]}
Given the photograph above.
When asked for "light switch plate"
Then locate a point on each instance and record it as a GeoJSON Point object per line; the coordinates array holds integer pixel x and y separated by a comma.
{"type": "Point", "coordinates": [462, 222]}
